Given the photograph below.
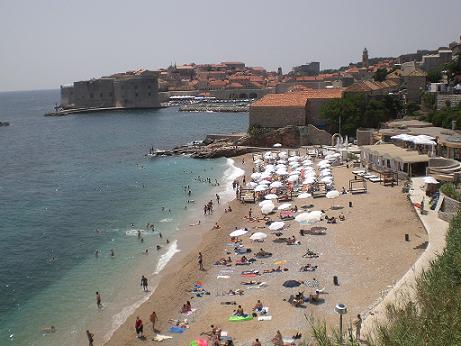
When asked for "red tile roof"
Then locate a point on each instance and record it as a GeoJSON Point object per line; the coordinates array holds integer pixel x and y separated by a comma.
{"type": "Point", "coordinates": [297, 99]}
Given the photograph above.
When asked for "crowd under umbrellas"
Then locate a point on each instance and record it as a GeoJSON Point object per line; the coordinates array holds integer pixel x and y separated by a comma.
{"type": "Point", "coordinates": [276, 176]}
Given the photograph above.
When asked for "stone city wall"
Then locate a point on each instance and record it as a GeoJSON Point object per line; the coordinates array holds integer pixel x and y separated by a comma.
{"type": "Point", "coordinates": [276, 117]}
{"type": "Point", "coordinates": [97, 93]}
{"type": "Point", "coordinates": [136, 93]}
{"type": "Point", "coordinates": [453, 99]}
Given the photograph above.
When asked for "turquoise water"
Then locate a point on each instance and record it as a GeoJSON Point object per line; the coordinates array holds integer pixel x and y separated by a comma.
{"type": "Point", "coordinates": [63, 178]}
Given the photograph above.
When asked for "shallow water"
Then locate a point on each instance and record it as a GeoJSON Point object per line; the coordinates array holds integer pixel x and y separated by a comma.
{"type": "Point", "coordinates": [63, 178]}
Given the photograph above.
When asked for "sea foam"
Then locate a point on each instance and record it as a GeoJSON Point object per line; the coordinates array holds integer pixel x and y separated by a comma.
{"type": "Point", "coordinates": [230, 174]}
{"type": "Point", "coordinates": [167, 256]}
{"type": "Point", "coordinates": [122, 316]}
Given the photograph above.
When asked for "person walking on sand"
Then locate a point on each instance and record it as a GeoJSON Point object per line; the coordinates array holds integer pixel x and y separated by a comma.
{"type": "Point", "coordinates": [358, 327]}
{"type": "Point", "coordinates": [90, 337]}
{"type": "Point", "coordinates": [139, 328]}
{"type": "Point", "coordinates": [200, 261]}
{"type": "Point", "coordinates": [98, 300]}
{"type": "Point", "coordinates": [153, 318]}
{"type": "Point", "coordinates": [144, 283]}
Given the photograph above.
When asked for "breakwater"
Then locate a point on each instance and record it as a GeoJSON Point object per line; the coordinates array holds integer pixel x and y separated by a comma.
{"type": "Point", "coordinates": [210, 107]}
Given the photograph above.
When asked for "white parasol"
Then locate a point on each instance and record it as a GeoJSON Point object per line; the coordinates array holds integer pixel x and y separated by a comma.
{"type": "Point", "coordinates": [277, 225]}
{"type": "Point", "coordinates": [238, 233]}
{"type": "Point", "coordinates": [258, 236]}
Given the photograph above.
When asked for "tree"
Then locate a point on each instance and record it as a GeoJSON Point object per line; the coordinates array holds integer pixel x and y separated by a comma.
{"type": "Point", "coordinates": [434, 76]}
{"type": "Point", "coordinates": [356, 110]}
{"type": "Point", "coordinates": [380, 75]}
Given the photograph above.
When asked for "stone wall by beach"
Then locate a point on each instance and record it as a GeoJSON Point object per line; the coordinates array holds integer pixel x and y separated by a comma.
{"type": "Point", "coordinates": [449, 208]}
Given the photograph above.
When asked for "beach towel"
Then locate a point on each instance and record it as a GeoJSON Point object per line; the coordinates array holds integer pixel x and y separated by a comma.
{"type": "Point", "coordinates": [249, 275]}
{"type": "Point", "coordinates": [288, 341]}
{"type": "Point", "coordinates": [199, 342]}
{"type": "Point", "coordinates": [260, 285]}
{"type": "Point", "coordinates": [176, 330]}
{"type": "Point", "coordinates": [161, 338]}
{"type": "Point", "coordinates": [222, 277]}
{"type": "Point", "coordinates": [190, 312]}
{"type": "Point", "coordinates": [264, 318]}
{"type": "Point", "coordinates": [240, 318]}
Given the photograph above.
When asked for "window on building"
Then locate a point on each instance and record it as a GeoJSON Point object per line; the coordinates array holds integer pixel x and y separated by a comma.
{"type": "Point", "coordinates": [148, 87]}
{"type": "Point", "coordinates": [149, 93]}
{"type": "Point", "coordinates": [136, 94]}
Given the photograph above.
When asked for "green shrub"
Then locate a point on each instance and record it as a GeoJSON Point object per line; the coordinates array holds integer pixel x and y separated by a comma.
{"type": "Point", "coordinates": [450, 190]}
{"type": "Point", "coordinates": [433, 316]}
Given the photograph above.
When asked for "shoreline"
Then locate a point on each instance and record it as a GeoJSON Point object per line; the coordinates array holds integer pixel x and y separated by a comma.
{"type": "Point", "coordinates": [182, 272]}
{"type": "Point", "coordinates": [186, 242]}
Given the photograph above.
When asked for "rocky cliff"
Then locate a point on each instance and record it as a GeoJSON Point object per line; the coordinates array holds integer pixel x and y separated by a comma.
{"type": "Point", "coordinates": [288, 136]}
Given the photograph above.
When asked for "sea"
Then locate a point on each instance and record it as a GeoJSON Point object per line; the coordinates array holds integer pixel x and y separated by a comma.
{"type": "Point", "coordinates": [75, 185]}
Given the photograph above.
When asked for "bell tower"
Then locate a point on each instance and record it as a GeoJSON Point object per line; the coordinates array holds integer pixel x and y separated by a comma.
{"type": "Point", "coordinates": [365, 58]}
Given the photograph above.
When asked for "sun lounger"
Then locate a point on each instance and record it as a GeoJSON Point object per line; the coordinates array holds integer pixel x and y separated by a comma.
{"type": "Point", "coordinates": [222, 277]}
{"type": "Point", "coordinates": [375, 179]}
{"type": "Point", "coordinates": [358, 172]}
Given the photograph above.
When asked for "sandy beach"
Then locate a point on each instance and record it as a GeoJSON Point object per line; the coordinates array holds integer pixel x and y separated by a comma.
{"type": "Point", "coordinates": [367, 252]}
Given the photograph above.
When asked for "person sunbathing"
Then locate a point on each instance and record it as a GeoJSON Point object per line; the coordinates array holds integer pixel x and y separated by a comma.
{"type": "Point", "coordinates": [242, 260]}
{"type": "Point", "coordinates": [314, 297]}
{"type": "Point", "coordinates": [258, 306]}
{"type": "Point", "coordinates": [263, 253]}
{"type": "Point", "coordinates": [341, 216]}
{"type": "Point", "coordinates": [308, 268]}
{"type": "Point", "coordinates": [237, 292]}
{"type": "Point", "coordinates": [223, 262]}
{"type": "Point", "coordinates": [214, 331]}
{"type": "Point", "coordinates": [250, 283]}
{"type": "Point", "coordinates": [331, 220]}
{"type": "Point", "coordinates": [239, 311]}
{"type": "Point", "coordinates": [310, 254]}
{"type": "Point", "coordinates": [274, 270]}
{"type": "Point", "coordinates": [216, 226]}
{"type": "Point", "coordinates": [293, 241]}
{"type": "Point", "coordinates": [185, 308]}
{"type": "Point", "coordinates": [277, 340]}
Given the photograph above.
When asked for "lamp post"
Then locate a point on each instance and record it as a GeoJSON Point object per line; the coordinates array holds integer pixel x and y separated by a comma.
{"type": "Point", "coordinates": [341, 309]}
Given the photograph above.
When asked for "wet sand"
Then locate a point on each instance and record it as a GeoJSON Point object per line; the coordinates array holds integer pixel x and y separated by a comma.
{"type": "Point", "coordinates": [367, 252]}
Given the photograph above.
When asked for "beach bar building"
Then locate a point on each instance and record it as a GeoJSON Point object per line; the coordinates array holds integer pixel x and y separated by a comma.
{"type": "Point", "coordinates": [390, 157]}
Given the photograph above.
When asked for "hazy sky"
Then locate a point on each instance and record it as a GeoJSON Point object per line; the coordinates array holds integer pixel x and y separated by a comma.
{"type": "Point", "coordinates": [45, 43]}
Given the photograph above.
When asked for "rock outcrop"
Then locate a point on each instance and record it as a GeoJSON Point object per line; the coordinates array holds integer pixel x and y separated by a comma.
{"type": "Point", "coordinates": [288, 136]}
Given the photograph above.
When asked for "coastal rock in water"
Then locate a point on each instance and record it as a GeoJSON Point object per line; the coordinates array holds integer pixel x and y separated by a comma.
{"type": "Point", "coordinates": [4, 123]}
{"type": "Point", "coordinates": [288, 136]}
{"type": "Point", "coordinates": [215, 148]}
